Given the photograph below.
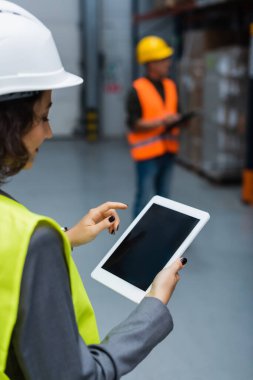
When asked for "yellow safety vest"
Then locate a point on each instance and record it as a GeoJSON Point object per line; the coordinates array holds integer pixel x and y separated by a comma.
{"type": "Point", "coordinates": [17, 225]}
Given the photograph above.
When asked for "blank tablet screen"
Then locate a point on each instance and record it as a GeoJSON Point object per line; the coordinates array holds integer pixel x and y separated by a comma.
{"type": "Point", "coordinates": [150, 245]}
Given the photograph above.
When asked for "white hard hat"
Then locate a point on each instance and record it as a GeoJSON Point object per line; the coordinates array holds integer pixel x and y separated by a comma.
{"type": "Point", "coordinates": [29, 60]}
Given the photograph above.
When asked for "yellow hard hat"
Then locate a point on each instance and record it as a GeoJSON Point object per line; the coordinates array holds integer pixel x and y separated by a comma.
{"type": "Point", "coordinates": [152, 48]}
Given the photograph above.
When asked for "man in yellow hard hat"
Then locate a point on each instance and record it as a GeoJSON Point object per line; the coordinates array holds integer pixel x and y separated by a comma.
{"type": "Point", "coordinates": [152, 105]}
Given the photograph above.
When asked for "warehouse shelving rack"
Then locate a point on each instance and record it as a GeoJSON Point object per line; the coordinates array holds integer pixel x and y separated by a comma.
{"type": "Point", "coordinates": [239, 14]}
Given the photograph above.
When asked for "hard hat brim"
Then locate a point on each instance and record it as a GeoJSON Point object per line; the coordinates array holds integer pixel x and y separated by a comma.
{"type": "Point", "coordinates": [68, 80]}
{"type": "Point", "coordinates": [56, 80]}
{"type": "Point", "coordinates": [164, 53]}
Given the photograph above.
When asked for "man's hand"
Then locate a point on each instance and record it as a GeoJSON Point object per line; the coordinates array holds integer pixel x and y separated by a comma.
{"type": "Point", "coordinates": [170, 119]}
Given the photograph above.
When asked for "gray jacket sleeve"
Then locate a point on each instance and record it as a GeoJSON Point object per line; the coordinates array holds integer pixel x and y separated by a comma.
{"type": "Point", "coordinates": [46, 343]}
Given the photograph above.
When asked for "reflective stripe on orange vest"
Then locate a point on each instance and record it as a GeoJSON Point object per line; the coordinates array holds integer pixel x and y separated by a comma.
{"type": "Point", "coordinates": [153, 143]}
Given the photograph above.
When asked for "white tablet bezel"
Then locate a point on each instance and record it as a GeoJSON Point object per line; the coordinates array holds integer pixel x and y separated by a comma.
{"type": "Point", "coordinates": [123, 287]}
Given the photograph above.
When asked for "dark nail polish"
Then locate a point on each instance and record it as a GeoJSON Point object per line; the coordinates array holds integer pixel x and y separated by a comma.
{"type": "Point", "coordinates": [118, 228]}
{"type": "Point", "coordinates": [183, 260]}
{"type": "Point", "coordinates": [111, 219]}
{"type": "Point", "coordinates": [113, 232]}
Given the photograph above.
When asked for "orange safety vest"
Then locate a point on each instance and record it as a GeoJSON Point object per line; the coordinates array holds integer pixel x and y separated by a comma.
{"type": "Point", "coordinates": [147, 144]}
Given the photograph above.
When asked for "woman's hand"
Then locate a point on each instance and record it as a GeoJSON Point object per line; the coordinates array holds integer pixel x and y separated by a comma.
{"type": "Point", "coordinates": [98, 219]}
{"type": "Point", "coordinates": [166, 281]}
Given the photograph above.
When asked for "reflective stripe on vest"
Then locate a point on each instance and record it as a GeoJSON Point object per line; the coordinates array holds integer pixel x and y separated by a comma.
{"type": "Point", "coordinates": [154, 139]}
{"type": "Point", "coordinates": [17, 225]}
{"type": "Point", "coordinates": [152, 143]}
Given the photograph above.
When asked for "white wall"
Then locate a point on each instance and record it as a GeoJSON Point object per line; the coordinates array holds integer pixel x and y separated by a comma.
{"type": "Point", "coordinates": [62, 18]}
{"type": "Point", "coordinates": [116, 47]}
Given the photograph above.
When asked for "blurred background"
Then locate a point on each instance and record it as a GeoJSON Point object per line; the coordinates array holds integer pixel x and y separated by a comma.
{"type": "Point", "coordinates": [211, 39]}
{"type": "Point", "coordinates": [88, 162]}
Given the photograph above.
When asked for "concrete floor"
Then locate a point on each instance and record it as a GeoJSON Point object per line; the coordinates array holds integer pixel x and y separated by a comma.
{"type": "Point", "coordinates": [212, 305]}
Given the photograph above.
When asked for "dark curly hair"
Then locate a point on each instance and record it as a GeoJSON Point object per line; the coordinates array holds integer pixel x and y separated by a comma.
{"type": "Point", "coordinates": [16, 119]}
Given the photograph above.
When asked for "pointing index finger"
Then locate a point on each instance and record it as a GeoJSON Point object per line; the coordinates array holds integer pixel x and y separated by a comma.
{"type": "Point", "coordinates": [112, 205]}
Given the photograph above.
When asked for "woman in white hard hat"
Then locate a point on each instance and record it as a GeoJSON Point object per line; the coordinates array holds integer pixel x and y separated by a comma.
{"type": "Point", "coordinates": [47, 325]}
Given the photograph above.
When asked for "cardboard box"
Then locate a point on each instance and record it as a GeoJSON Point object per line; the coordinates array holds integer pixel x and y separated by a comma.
{"type": "Point", "coordinates": [202, 3]}
{"type": "Point", "coordinates": [217, 84]}
{"type": "Point", "coordinates": [198, 42]}
{"type": "Point", "coordinates": [169, 3]}
{"type": "Point", "coordinates": [191, 75]}
{"type": "Point", "coordinates": [226, 86]}
{"type": "Point", "coordinates": [223, 152]}
{"type": "Point", "coordinates": [225, 107]}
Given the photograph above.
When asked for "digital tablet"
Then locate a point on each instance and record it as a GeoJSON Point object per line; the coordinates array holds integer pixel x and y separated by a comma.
{"type": "Point", "coordinates": [160, 234]}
